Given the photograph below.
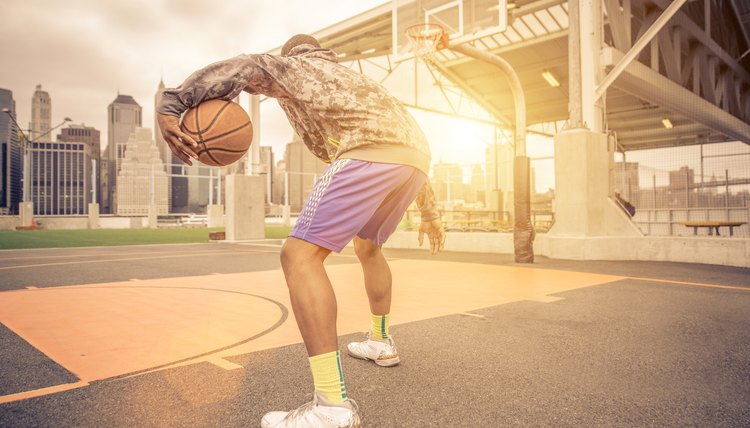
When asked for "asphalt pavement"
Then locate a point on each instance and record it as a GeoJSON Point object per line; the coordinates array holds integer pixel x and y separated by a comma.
{"type": "Point", "coordinates": [664, 344]}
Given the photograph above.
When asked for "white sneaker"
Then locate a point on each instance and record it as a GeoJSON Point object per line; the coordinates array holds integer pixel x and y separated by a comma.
{"type": "Point", "coordinates": [319, 413]}
{"type": "Point", "coordinates": [383, 354]}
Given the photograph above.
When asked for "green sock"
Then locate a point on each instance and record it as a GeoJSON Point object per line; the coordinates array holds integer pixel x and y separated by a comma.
{"type": "Point", "coordinates": [328, 377]}
{"type": "Point", "coordinates": [379, 329]}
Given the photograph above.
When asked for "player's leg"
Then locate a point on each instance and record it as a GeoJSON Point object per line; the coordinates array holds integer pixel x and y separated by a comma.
{"type": "Point", "coordinates": [310, 291]}
{"type": "Point", "coordinates": [379, 346]}
{"type": "Point", "coordinates": [378, 279]}
{"type": "Point", "coordinates": [328, 221]}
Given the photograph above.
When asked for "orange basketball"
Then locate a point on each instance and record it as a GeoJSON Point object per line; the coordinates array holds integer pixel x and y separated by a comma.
{"type": "Point", "coordinates": [222, 129]}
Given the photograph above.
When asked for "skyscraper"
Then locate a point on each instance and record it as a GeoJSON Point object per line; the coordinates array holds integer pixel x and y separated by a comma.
{"type": "Point", "coordinates": [302, 168]}
{"type": "Point", "coordinates": [124, 116]}
{"type": "Point", "coordinates": [90, 137]}
{"type": "Point", "coordinates": [178, 186]}
{"type": "Point", "coordinates": [60, 184]}
{"type": "Point", "coordinates": [447, 181]}
{"type": "Point", "coordinates": [141, 178]}
{"type": "Point", "coordinates": [11, 157]}
{"type": "Point", "coordinates": [164, 151]}
{"type": "Point", "coordinates": [266, 168]}
{"type": "Point", "coordinates": [41, 115]}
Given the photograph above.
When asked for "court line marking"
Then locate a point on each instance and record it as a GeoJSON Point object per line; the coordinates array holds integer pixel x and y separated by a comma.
{"type": "Point", "coordinates": [224, 364]}
{"type": "Point", "coordinates": [545, 299]}
{"type": "Point", "coordinates": [42, 391]}
{"type": "Point", "coordinates": [696, 284]}
{"type": "Point", "coordinates": [472, 315]}
{"type": "Point", "coordinates": [69, 256]}
{"type": "Point", "coordinates": [208, 356]}
{"type": "Point", "coordinates": [171, 256]}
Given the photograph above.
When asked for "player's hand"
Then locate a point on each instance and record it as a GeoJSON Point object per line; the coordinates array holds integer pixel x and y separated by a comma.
{"type": "Point", "coordinates": [435, 233]}
{"type": "Point", "coordinates": [182, 145]}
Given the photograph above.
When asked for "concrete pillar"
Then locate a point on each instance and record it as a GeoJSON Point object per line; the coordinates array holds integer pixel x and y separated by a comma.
{"type": "Point", "coordinates": [246, 217]}
{"type": "Point", "coordinates": [286, 215]}
{"type": "Point", "coordinates": [583, 207]}
{"type": "Point", "coordinates": [152, 217]}
{"type": "Point", "coordinates": [216, 215]}
{"type": "Point", "coordinates": [93, 215]}
{"type": "Point", "coordinates": [26, 213]}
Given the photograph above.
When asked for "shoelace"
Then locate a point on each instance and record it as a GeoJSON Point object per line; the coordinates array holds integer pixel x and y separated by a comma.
{"type": "Point", "coordinates": [302, 409]}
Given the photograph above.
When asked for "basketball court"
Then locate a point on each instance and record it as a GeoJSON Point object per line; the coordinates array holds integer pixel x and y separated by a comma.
{"type": "Point", "coordinates": [203, 334]}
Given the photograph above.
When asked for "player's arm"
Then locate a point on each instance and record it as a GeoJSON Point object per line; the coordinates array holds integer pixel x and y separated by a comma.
{"type": "Point", "coordinates": [182, 145]}
{"type": "Point", "coordinates": [431, 224]}
{"type": "Point", "coordinates": [221, 80]}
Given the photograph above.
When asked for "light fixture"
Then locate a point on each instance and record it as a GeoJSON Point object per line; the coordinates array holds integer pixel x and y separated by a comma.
{"type": "Point", "coordinates": [667, 123]}
{"type": "Point", "coordinates": [550, 78]}
{"type": "Point", "coordinates": [509, 6]}
{"type": "Point", "coordinates": [368, 51]}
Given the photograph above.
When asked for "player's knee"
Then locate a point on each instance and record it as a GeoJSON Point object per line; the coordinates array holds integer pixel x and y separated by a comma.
{"type": "Point", "coordinates": [289, 255]}
{"type": "Point", "coordinates": [295, 253]}
{"type": "Point", "coordinates": [365, 249]}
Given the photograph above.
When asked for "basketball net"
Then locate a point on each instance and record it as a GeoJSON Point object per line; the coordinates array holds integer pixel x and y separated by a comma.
{"type": "Point", "coordinates": [426, 39]}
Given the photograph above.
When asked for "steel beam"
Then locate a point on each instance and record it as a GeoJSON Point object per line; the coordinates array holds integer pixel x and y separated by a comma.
{"type": "Point", "coordinates": [644, 83]}
{"type": "Point", "coordinates": [648, 35]}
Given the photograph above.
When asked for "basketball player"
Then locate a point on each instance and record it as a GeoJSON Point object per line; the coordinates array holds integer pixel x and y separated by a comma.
{"type": "Point", "coordinates": [379, 159]}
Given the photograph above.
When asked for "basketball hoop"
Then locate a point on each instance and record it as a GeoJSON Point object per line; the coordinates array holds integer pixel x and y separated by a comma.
{"type": "Point", "coordinates": [426, 38]}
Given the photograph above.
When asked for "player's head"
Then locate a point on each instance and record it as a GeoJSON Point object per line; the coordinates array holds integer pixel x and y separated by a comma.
{"type": "Point", "coordinates": [299, 39]}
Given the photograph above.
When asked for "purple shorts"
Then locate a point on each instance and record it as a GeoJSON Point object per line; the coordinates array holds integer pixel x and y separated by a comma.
{"type": "Point", "coordinates": [357, 198]}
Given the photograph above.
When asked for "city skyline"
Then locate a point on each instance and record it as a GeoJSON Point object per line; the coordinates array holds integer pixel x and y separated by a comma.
{"type": "Point", "coordinates": [85, 52]}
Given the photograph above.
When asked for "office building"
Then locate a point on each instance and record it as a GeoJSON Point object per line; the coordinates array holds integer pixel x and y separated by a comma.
{"type": "Point", "coordinates": [91, 137]}
{"type": "Point", "coordinates": [177, 186]}
{"type": "Point", "coordinates": [123, 117]}
{"type": "Point", "coordinates": [142, 179]}
{"type": "Point", "coordinates": [302, 169]}
{"type": "Point", "coordinates": [499, 176]}
{"type": "Point", "coordinates": [476, 189]}
{"type": "Point", "coordinates": [60, 178]}
{"type": "Point", "coordinates": [447, 182]}
{"type": "Point", "coordinates": [277, 187]}
{"type": "Point", "coordinates": [11, 157]}
{"type": "Point", "coordinates": [266, 169]}
{"type": "Point", "coordinates": [41, 115]}
{"type": "Point", "coordinates": [104, 196]}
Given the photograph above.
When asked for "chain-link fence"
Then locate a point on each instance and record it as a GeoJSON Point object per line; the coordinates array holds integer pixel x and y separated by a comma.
{"type": "Point", "coordinates": [687, 190]}
{"type": "Point", "coordinates": [479, 196]}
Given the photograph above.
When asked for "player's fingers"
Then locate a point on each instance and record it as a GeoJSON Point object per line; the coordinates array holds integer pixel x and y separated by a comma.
{"type": "Point", "coordinates": [182, 147]}
{"type": "Point", "coordinates": [182, 137]}
{"type": "Point", "coordinates": [442, 239]}
{"type": "Point", "coordinates": [187, 139]}
{"type": "Point", "coordinates": [177, 152]}
{"type": "Point", "coordinates": [183, 157]}
{"type": "Point", "coordinates": [420, 238]}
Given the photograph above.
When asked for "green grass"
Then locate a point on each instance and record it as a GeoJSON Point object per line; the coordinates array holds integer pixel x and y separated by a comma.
{"type": "Point", "coordinates": [108, 237]}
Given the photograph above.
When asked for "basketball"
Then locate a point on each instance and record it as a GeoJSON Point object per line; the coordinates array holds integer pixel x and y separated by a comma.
{"type": "Point", "coordinates": [222, 129]}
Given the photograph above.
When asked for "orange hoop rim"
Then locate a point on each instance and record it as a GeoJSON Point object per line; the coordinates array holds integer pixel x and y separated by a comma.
{"type": "Point", "coordinates": [426, 37]}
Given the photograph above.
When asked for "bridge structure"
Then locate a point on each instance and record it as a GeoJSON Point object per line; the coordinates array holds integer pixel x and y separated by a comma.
{"type": "Point", "coordinates": [610, 75]}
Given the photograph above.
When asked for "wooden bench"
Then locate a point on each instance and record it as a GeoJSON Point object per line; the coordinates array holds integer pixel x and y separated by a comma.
{"type": "Point", "coordinates": [711, 225]}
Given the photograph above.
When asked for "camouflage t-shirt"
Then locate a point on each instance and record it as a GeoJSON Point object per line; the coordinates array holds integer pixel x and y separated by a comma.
{"type": "Point", "coordinates": [337, 112]}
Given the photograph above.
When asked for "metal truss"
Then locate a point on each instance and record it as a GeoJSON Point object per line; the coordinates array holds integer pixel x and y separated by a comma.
{"type": "Point", "coordinates": [685, 52]}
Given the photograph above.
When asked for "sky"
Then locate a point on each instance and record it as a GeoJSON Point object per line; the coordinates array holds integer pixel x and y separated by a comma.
{"type": "Point", "coordinates": [83, 52]}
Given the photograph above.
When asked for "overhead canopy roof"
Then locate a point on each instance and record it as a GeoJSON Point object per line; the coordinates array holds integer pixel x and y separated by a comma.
{"type": "Point", "coordinates": [537, 41]}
